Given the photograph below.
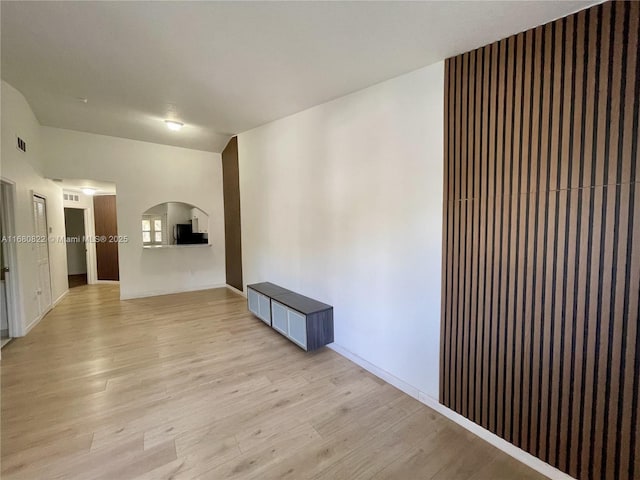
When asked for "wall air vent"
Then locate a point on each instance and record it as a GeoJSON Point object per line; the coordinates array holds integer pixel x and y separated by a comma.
{"type": "Point", "coordinates": [21, 145]}
{"type": "Point", "coordinates": [70, 197]}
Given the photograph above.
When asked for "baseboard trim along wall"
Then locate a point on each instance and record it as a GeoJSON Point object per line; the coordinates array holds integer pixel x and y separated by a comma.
{"type": "Point", "coordinates": [58, 300]}
{"type": "Point", "coordinates": [501, 444]}
{"type": "Point", "coordinates": [36, 320]}
{"type": "Point", "coordinates": [33, 323]}
{"type": "Point", "coordinates": [157, 293]}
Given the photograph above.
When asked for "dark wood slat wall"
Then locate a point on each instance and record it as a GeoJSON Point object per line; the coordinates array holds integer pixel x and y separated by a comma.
{"type": "Point", "coordinates": [232, 224]}
{"type": "Point", "coordinates": [541, 265]}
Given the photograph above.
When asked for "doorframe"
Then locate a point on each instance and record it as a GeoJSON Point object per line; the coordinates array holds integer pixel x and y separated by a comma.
{"type": "Point", "coordinates": [90, 233]}
{"type": "Point", "coordinates": [89, 246]}
{"type": "Point", "coordinates": [13, 288]}
{"type": "Point", "coordinates": [34, 193]}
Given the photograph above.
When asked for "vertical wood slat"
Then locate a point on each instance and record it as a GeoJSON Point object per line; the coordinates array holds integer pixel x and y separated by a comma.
{"type": "Point", "coordinates": [586, 31]}
{"type": "Point", "coordinates": [587, 418]}
{"type": "Point", "coordinates": [541, 244]}
{"type": "Point", "coordinates": [618, 267]}
{"type": "Point", "coordinates": [444, 344]}
{"type": "Point", "coordinates": [521, 353]}
{"type": "Point", "coordinates": [543, 306]}
{"type": "Point", "coordinates": [468, 201]}
{"type": "Point", "coordinates": [495, 389]}
{"type": "Point", "coordinates": [488, 273]}
{"type": "Point", "coordinates": [517, 246]}
{"type": "Point", "coordinates": [475, 250]}
{"type": "Point", "coordinates": [511, 174]}
{"type": "Point", "coordinates": [456, 237]}
{"type": "Point", "coordinates": [630, 353]}
{"type": "Point", "coordinates": [606, 259]}
{"type": "Point", "coordinates": [555, 212]}
{"type": "Point", "coordinates": [451, 229]}
{"type": "Point", "coordinates": [462, 241]}
{"type": "Point", "coordinates": [566, 305]}
{"type": "Point", "coordinates": [483, 360]}
{"type": "Point", "coordinates": [529, 372]}
{"type": "Point", "coordinates": [558, 155]}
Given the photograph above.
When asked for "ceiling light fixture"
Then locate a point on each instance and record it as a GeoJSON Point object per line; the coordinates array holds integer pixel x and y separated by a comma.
{"type": "Point", "coordinates": [89, 191]}
{"type": "Point", "coordinates": [173, 125]}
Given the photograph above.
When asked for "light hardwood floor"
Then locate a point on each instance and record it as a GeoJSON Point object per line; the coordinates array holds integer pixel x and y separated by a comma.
{"type": "Point", "coordinates": [193, 386]}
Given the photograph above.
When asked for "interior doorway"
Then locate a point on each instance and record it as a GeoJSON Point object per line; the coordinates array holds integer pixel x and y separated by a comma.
{"type": "Point", "coordinates": [76, 236]}
{"type": "Point", "coordinates": [97, 201]}
{"type": "Point", "coordinates": [4, 273]}
{"type": "Point", "coordinates": [8, 265]}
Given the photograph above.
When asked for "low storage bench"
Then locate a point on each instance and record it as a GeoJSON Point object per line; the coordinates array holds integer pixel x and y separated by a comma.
{"type": "Point", "coordinates": [306, 322]}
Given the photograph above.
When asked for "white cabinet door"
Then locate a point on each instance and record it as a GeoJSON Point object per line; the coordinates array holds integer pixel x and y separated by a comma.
{"type": "Point", "coordinates": [199, 221]}
{"type": "Point", "coordinates": [259, 305]}
{"type": "Point", "coordinates": [279, 318]}
{"type": "Point", "coordinates": [265, 308]}
{"type": "Point", "coordinates": [298, 328]}
{"type": "Point", "coordinates": [254, 305]}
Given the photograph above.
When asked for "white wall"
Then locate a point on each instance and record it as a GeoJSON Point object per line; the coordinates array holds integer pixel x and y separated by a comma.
{"type": "Point", "coordinates": [343, 203]}
{"type": "Point", "coordinates": [25, 170]}
{"type": "Point", "coordinates": [76, 253]}
{"type": "Point", "coordinates": [145, 175]}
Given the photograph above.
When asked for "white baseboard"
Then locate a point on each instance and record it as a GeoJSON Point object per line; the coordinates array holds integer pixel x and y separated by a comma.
{"type": "Point", "coordinates": [157, 293]}
{"type": "Point", "coordinates": [36, 320]}
{"type": "Point", "coordinates": [33, 323]}
{"type": "Point", "coordinates": [508, 448]}
{"type": "Point", "coordinates": [106, 282]}
{"type": "Point", "coordinates": [498, 442]}
{"type": "Point", "coordinates": [377, 371]}
{"type": "Point", "coordinates": [60, 298]}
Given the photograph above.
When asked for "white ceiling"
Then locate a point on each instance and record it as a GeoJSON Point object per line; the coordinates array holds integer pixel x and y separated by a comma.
{"type": "Point", "coordinates": [225, 67]}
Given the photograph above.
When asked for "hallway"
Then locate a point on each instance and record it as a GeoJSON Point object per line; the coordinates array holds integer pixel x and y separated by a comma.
{"type": "Point", "coordinates": [193, 386]}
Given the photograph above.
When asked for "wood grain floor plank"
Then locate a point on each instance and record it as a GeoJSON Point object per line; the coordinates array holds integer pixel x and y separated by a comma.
{"type": "Point", "coordinates": [193, 386]}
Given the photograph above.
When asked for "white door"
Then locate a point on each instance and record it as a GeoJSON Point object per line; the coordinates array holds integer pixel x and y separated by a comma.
{"type": "Point", "coordinates": [4, 270]}
{"type": "Point", "coordinates": [7, 259]}
{"type": "Point", "coordinates": [4, 313]}
{"type": "Point", "coordinates": [42, 253]}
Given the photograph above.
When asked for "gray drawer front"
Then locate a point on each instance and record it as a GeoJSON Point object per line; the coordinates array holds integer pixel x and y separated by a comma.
{"type": "Point", "coordinates": [298, 328]}
{"type": "Point", "coordinates": [279, 320]}
{"type": "Point", "coordinates": [265, 308]}
{"type": "Point", "coordinates": [254, 306]}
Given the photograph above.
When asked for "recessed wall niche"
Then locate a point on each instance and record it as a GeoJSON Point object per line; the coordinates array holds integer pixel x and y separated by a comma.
{"type": "Point", "coordinates": [174, 224]}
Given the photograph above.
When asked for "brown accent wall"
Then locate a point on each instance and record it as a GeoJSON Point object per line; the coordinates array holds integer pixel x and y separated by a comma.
{"type": "Point", "coordinates": [232, 231]}
{"type": "Point", "coordinates": [541, 277]}
{"type": "Point", "coordinates": [106, 223]}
